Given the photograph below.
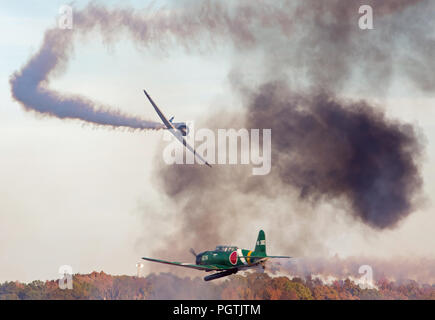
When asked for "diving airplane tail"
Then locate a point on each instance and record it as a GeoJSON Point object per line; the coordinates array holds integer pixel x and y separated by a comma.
{"type": "Point", "coordinates": [260, 248]}
{"type": "Point", "coordinates": [260, 245]}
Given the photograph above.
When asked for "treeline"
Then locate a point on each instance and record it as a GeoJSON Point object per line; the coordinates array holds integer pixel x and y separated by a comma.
{"type": "Point", "coordinates": [251, 286]}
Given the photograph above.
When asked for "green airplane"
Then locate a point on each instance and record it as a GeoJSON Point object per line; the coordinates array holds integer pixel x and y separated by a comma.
{"type": "Point", "coordinates": [226, 260]}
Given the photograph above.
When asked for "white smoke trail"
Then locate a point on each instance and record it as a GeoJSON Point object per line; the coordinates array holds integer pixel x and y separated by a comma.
{"type": "Point", "coordinates": [30, 85]}
{"type": "Point", "coordinates": [30, 88]}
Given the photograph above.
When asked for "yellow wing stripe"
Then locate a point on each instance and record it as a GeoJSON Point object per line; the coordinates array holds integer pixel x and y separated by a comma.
{"type": "Point", "coordinates": [249, 259]}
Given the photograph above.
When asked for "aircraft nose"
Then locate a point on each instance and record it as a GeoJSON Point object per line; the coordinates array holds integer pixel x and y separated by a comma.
{"type": "Point", "coordinates": [198, 258]}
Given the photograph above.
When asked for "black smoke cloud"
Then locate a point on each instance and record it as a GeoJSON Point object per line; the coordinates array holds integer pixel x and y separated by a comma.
{"type": "Point", "coordinates": [327, 148]}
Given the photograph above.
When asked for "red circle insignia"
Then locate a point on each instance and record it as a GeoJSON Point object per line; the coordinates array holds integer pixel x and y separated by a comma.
{"type": "Point", "coordinates": [233, 257]}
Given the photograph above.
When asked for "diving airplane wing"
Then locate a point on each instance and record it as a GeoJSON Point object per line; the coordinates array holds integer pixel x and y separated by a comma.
{"type": "Point", "coordinates": [174, 130]}
{"type": "Point", "coordinates": [188, 265]}
{"type": "Point", "coordinates": [184, 142]}
{"type": "Point", "coordinates": [168, 124]}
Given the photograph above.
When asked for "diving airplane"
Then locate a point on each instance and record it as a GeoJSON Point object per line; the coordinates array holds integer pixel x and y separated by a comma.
{"type": "Point", "coordinates": [178, 129]}
{"type": "Point", "coordinates": [226, 260]}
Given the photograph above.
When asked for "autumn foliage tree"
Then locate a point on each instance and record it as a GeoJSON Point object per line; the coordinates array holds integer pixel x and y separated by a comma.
{"type": "Point", "coordinates": [101, 286]}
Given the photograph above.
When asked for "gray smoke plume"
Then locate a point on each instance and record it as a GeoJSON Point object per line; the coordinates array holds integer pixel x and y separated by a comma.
{"type": "Point", "coordinates": [398, 269]}
{"type": "Point", "coordinates": [329, 27]}
{"type": "Point", "coordinates": [299, 59]}
{"type": "Point", "coordinates": [325, 148]}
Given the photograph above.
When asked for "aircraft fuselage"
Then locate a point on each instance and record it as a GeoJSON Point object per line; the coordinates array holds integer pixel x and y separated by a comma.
{"type": "Point", "coordinates": [182, 127]}
{"type": "Point", "coordinates": [228, 257]}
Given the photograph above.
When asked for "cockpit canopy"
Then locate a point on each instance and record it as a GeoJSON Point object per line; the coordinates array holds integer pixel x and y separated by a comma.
{"type": "Point", "coordinates": [226, 248]}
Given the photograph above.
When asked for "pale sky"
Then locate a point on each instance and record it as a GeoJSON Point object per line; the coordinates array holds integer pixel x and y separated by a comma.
{"type": "Point", "coordinates": [74, 195]}
{"type": "Point", "coordinates": [71, 194]}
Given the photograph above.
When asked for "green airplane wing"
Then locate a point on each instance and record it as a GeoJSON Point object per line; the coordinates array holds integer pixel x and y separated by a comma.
{"type": "Point", "coordinates": [191, 266]}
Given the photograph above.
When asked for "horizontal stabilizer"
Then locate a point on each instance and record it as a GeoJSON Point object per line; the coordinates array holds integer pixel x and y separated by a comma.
{"type": "Point", "coordinates": [262, 257]}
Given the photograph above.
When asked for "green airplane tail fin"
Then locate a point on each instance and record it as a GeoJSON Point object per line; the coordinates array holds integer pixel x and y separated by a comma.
{"type": "Point", "coordinates": [260, 245]}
